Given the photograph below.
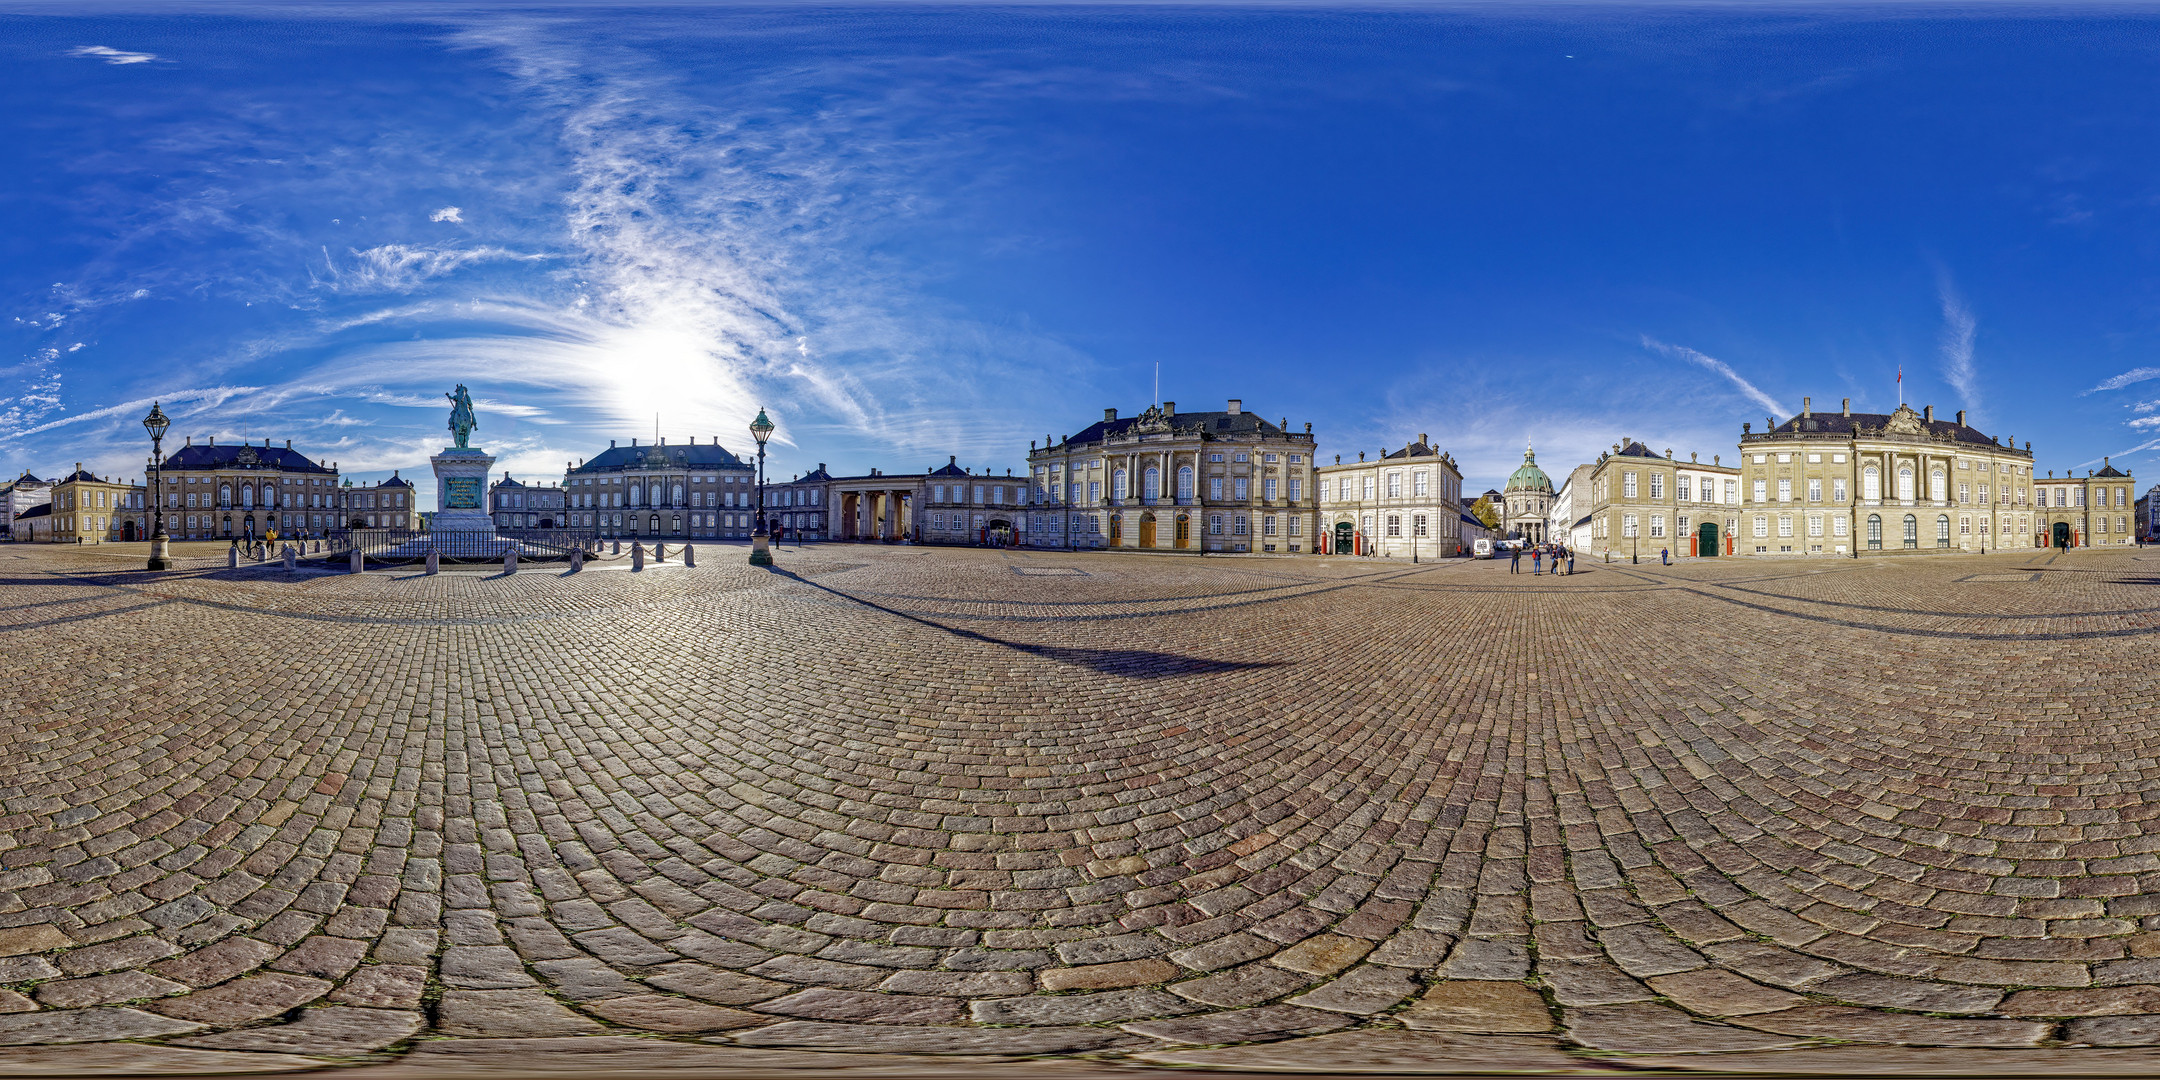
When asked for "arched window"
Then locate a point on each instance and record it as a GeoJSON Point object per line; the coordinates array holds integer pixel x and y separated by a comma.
{"type": "Point", "coordinates": [1904, 483]}
{"type": "Point", "coordinates": [1912, 531]}
{"type": "Point", "coordinates": [1942, 530]}
{"type": "Point", "coordinates": [1937, 489]}
{"type": "Point", "coordinates": [678, 524]}
{"type": "Point", "coordinates": [224, 495]}
{"type": "Point", "coordinates": [1874, 529]}
{"type": "Point", "coordinates": [1151, 483]}
{"type": "Point", "coordinates": [1117, 484]}
{"type": "Point", "coordinates": [653, 525]}
{"type": "Point", "coordinates": [1871, 485]}
{"type": "Point", "coordinates": [1184, 483]}
{"type": "Point", "coordinates": [678, 494]}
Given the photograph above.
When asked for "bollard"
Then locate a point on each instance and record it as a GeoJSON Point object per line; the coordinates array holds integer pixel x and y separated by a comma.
{"type": "Point", "coordinates": [510, 559]}
{"type": "Point", "coordinates": [689, 556]}
{"type": "Point", "coordinates": [434, 561]}
{"type": "Point", "coordinates": [292, 558]}
{"type": "Point", "coordinates": [660, 552]}
{"type": "Point", "coordinates": [232, 557]}
{"type": "Point", "coordinates": [359, 562]}
{"type": "Point", "coordinates": [618, 548]}
{"type": "Point", "coordinates": [577, 559]}
{"type": "Point", "coordinates": [637, 555]}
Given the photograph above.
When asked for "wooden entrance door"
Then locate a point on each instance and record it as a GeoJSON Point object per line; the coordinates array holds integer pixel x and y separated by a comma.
{"type": "Point", "coordinates": [1117, 530]}
{"type": "Point", "coordinates": [1147, 530]}
{"type": "Point", "coordinates": [1184, 530]}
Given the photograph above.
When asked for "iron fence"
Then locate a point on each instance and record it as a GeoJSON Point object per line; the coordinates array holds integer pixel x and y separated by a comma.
{"type": "Point", "coordinates": [391, 546]}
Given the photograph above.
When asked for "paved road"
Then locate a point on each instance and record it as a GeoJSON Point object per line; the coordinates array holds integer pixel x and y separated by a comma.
{"type": "Point", "coordinates": [1254, 813]}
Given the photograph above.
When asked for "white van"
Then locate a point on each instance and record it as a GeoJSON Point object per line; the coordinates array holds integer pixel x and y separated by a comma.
{"type": "Point", "coordinates": [1482, 547]}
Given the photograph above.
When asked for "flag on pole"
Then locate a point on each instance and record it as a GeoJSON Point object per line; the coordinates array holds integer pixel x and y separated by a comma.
{"type": "Point", "coordinates": [1901, 384]}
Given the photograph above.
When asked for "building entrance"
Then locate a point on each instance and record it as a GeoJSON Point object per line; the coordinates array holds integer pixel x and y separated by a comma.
{"type": "Point", "coordinates": [1706, 540]}
{"type": "Point", "coordinates": [2062, 534]}
{"type": "Point", "coordinates": [1343, 531]}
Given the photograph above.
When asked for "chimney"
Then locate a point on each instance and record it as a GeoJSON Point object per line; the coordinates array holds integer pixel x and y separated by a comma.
{"type": "Point", "coordinates": [1961, 418]}
{"type": "Point", "coordinates": [1422, 437]}
{"type": "Point", "coordinates": [633, 442]}
{"type": "Point", "coordinates": [1169, 408]}
{"type": "Point", "coordinates": [1109, 414]}
{"type": "Point", "coordinates": [1848, 406]}
{"type": "Point", "coordinates": [611, 444]}
{"type": "Point", "coordinates": [952, 459]}
{"type": "Point", "coordinates": [213, 440]}
{"type": "Point", "coordinates": [191, 440]}
{"type": "Point", "coordinates": [288, 444]}
{"type": "Point", "coordinates": [1807, 406]}
{"type": "Point", "coordinates": [1237, 405]}
{"type": "Point", "coordinates": [821, 466]}
{"type": "Point", "coordinates": [1927, 413]}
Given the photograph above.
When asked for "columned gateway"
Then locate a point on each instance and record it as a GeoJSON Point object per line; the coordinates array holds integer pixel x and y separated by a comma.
{"type": "Point", "coordinates": [879, 506]}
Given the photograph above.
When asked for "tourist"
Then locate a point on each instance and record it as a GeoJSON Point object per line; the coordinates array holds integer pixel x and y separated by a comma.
{"type": "Point", "coordinates": [1514, 562]}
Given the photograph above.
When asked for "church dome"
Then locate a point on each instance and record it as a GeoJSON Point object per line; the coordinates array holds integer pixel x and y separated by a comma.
{"type": "Point", "coordinates": [1529, 477]}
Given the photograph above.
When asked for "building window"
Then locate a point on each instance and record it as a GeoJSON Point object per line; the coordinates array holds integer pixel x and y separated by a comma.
{"type": "Point", "coordinates": [1238, 489]}
{"type": "Point", "coordinates": [1784, 524]}
{"type": "Point", "coordinates": [1627, 485]}
{"type": "Point", "coordinates": [1870, 484]}
{"type": "Point", "coordinates": [1394, 485]}
{"type": "Point", "coordinates": [1837, 526]}
{"type": "Point", "coordinates": [1267, 488]}
{"type": "Point", "coordinates": [1214, 488]}
{"type": "Point", "coordinates": [1417, 525]}
{"type": "Point", "coordinates": [1657, 486]}
{"type": "Point", "coordinates": [1239, 525]}
{"type": "Point", "coordinates": [1267, 525]}
{"type": "Point", "coordinates": [1657, 521]}
{"type": "Point", "coordinates": [1964, 525]}
{"type": "Point", "coordinates": [1214, 524]}
{"type": "Point", "coordinates": [1151, 484]}
{"type": "Point", "coordinates": [1297, 486]}
{"type": "Point", "coordinates": [1394, 524]}
{"type": "Point", "coordinates": [1814, 490]}
{"type": "Point", "coordinates": [1368, 486]}
{"type": "Point", "coordinates": [1417, 482]}
{"type": "Point", "coordinates": [1814, 525]}
{"type": "Point", "coordinates": [1762, 491]}
{"type": "Point", "coordinates": [1912, 527]}
{"type": "Point", "coordinates": [1762, 526]}
{"type": "Point", "coordinates": [1905, 483]}
{"type": "Point", "coordinates": [1627, 525]}
{"type": "Point", "coordinates": [1732, 492]}
{"type": "Point", "coordinates": [1118, 490]}
{"type": "Point", "coordinates": [1184, 483]}
{"type": "Point", "coordinates": [1683, 488]}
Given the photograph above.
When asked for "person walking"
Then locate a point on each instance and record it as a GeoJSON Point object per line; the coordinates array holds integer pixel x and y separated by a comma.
{"type": "Point", "coordinates": [1665, 554]}
{"type": "Point", "coordinates": [1537, 561]}
{"type": "Point", "coordinates": [1514, 562]}
{"type": "Point", "coordinates": [1570, 561]}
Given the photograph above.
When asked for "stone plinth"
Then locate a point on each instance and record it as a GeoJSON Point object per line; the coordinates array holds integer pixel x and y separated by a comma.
{"type": "Point", "coordinates": [461, 491]}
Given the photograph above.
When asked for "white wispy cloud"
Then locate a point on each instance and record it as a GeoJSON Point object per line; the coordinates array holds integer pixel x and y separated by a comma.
{"type": "Point", "coordinates": [1957, 343]}
{"type": "Point", "coordinates": [448, 213]}
{"type": "Point", "coordinates": [210, 397]}
{"type": "Point", "coordinates": [1682, 352]}
{"type": "Point", "coordinates": [111, 55]}
{"type": "Point", "coordinates": [402, 267]}
{"type": "Point", "coordinates": [2117, 382]}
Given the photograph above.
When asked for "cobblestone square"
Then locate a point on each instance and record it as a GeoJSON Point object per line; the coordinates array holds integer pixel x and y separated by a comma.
{"type": "Point", "coordinates": [887, 805]}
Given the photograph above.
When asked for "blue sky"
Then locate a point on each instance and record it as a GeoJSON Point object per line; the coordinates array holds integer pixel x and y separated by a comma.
{"type": "Point", "coordinates": [919, 231]}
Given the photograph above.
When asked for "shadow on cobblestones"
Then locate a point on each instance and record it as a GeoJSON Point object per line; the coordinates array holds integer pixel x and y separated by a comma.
{"type": "Point", "coordinates": [1129, 663]}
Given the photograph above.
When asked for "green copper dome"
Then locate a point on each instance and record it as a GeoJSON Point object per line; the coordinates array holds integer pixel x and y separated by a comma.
{"type": "Point", "coordinates": [1529, 477]}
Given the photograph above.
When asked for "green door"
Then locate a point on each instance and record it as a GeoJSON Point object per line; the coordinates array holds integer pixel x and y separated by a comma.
{"type": "Point", "coordinates": [1706, 540]}
{"type": "Point", "coordinates": [2062, 534]}
{"type": "Point", "coordinates": [1342, 538]}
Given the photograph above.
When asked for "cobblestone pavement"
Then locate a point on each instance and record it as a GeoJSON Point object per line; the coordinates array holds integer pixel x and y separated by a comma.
{"type": "Point", "coordinates": [888, 805]}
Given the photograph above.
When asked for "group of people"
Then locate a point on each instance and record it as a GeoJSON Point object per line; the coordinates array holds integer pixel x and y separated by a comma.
{"type": "Point", "coordinates": [1560, 554]}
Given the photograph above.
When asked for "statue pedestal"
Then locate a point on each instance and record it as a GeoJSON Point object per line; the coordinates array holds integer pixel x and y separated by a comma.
{"type": "Point", "coordinates": [461, 491]}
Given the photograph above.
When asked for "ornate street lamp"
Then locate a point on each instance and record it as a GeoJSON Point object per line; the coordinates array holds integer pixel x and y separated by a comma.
{"type": "Point", "coordinates": [155, 424]}
{"type": "Point", "coordinates": [761, 429]}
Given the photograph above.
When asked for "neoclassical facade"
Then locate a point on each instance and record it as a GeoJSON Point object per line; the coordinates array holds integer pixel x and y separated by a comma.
{"type": "Point", "coordinates": [390, 504]}
{"type": "Point", "coordinates": [962, 507]}
{"type": "Point", "coordinates": [1829, 484]}
{"type": "Point", "coordinates": [798, 507]}
{"type": "Point", "coordinates": [2094, 510]}
{"type": "Point", "coordinates": [92, 509]}
{"type": "Point", "coordinates": [1644, 503]}
{"type": "Point", "coordinates": [1224, 481]}
{"type": "Point", "coordinates": [1406, 503]}
{"type": "Point", "coordinates": [515, 504]}
{"type": "Point", "coordinates": [1526, 501]}
{"type": "Point", "coordinates": [685, 491]}
{"type": "Point", "coordinates": [242, 490]}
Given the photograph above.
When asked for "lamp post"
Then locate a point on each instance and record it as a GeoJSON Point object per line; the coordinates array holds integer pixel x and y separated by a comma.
{"type": "Point", "coordinates": [761, 429]}
{"type": "Point", "coordinates": [155, 424]}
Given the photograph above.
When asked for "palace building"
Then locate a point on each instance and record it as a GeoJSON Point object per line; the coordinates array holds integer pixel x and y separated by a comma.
{"type": "Point", "coordinates": [1406, 503]}
{"type": "Point", "coordinates": [1829, 484]}
{"type": "Point", "coordinates": [693, 491]}
{"type": "Point", "coordinates": [2094, 510]}
{"type": "Point", "coordinates": [386, 505]}
{"type": "Point", "coordinates": [1163, 480]}
{"type": "Point", "coordinates": [1641, 503]}
{"type": "Point", "coordinates": [240, 490]}
{"type": "Point", "coordinates": [517, 505]}
{"type": "Point", "coordinates": [91, 509]}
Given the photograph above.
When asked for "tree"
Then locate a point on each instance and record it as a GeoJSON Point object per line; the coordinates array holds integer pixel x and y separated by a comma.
{"type": "Point", "coordinates": [1484, 511]}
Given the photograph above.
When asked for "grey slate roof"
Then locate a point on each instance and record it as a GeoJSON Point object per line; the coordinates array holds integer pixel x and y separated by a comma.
{"type": "Point", "coordinates": [669, 456]}
{"type": "Point", "coordinates": [229, 456]}
{"type": "Point", "coordinates": [1208, 425]}
{"type": "Point", "coordinates": [1841, 424]}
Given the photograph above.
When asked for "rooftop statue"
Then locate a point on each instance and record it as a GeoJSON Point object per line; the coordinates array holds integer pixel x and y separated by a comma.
{"type": "Point", "coordinates": [462, 421]}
